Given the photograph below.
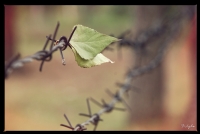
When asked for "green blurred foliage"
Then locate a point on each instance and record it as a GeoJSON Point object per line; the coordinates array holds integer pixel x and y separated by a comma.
{"type": "Point", "coordinates": [33, 23]}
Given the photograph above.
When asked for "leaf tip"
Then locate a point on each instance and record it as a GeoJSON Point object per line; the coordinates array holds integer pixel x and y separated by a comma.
{"type": "Point", "coordinates": [112, 62]}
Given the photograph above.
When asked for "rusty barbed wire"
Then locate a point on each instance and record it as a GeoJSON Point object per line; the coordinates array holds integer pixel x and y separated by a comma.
{"type": "Point", "coordinates": [140, 42]}
{"type": "Point", "coordinates": [42, 55]}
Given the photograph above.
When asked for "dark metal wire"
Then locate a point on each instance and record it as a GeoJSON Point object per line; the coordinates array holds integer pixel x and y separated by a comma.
{"type": "Point", "coordinates": [42, 55]}
{"type": "Point", "coordinates": [96, 120]}
{"type": "Point", "coordinates": [54, 36]}
{"type": "Point", "coordinates": [78, 126]}
{"type": "Point", "coordinates": [137, 71]}
{"type": "Point", "coordinates": [140, 42]}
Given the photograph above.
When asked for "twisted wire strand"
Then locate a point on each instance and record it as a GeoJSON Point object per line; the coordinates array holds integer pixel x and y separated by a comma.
{"type": "Point", "coordinates": [40, 55]}
{"type": "Point", "coordinates": [127, 84]}
{"type": "Point", "coordinates": [134, 72]}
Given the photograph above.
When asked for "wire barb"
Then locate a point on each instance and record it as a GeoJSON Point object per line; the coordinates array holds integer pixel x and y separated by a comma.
{"type": "Point", "coordinates": [78, 127]}
{"type": "Point", "coordinates": [42, 55]}
{"type": "Point", "coordinates": [67, 43]}
{"type": "Point", "coordinates": [95, 120]}
{"type": "Point", "coordinates": [51, 46]}
{"type": "Point", "coordinates": [117, 96]}
{"type": "Point", "coordinates": [105, 105]}
{"type": "Point", "coordinates": [63, 59]}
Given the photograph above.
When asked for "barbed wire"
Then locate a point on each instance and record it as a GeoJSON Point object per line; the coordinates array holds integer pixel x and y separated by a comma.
{"type": "Point", "coordinates": [42, 55]}
{"type": "Point", "coordinates": [108, 107]}
{"type": "Point", "coordinates": [140, 42]}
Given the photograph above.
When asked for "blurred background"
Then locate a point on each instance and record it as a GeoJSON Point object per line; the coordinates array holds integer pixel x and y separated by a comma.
{"type": "Point", "coordinates": [166, 99]}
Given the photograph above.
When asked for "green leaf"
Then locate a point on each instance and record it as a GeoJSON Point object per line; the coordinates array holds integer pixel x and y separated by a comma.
{"type": "Point", "coordinates": [97, 60]}
{"type": "Point", "coordinates": [88, 42]}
